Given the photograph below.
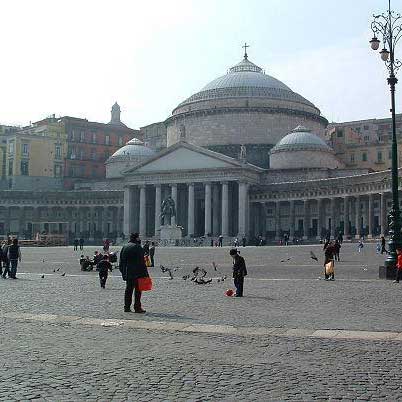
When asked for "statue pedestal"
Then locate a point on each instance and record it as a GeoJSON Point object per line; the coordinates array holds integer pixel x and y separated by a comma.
{"type": "Point", "coordinates": [170, 232]}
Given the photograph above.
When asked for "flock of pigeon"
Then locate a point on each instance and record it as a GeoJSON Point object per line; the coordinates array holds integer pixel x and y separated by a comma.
{"type": "Point", "coordinates": [197, 275]}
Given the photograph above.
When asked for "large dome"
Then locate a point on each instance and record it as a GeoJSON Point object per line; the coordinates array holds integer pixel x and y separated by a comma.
{"type": "Point", "coordinates": [243, 107]}
{"type": "Point", "coordinates": [301, 149]}
{"type": "Point", "coordinates": [245, 79]}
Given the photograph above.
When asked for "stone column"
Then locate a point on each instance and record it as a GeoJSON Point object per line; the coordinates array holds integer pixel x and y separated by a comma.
{"type": "Point", "coordinates": [370, 215]}
{"type": "Point", "coordinates": [105, 222]}
{"type": "Point", "coordinates": [101, 219]}
{"type": "Point", "coordinates": [190, 213]}
{"type": "Point", "coordinates": [292, 220]}
{"type": "Point", "coordinates": [319, 218]}
{"type": "Point", "coordinates": [173, 219]}
{"type": "Point", "coordinates": [143, 212]}
{"type": "Point", "coordinates": [208, 207]}
{"type": "Point", "coordinates": [128, 217]}
{"type": "Point", "coordinates": [333, 218]}
{"type": "Point", "coordinates": [357, 218]}
{"type": "Point", "coordinates": [306, 220]}
{"type": "Point", "coordinates": [225, 209]}
{"type": "Point", "coordinates": [91, 222]}
{"type": "Point", "coordinates": [215, 209]}
{"type": "Point", "coordinates": [242, 209]}
{"type": "Point", "coordinates": [383, 214]}
{"type": "Point", "coordinates": [158, 202]}
{"type": "Point", "coordinates": [346, 226]}
{"type": "Point", "coordinates": [277, 220]}
{"type": "Point", "coordinates": [21, 222]}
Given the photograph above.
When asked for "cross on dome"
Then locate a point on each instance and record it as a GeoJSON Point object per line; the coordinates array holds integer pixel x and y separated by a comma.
{"type": "Point", "coordinates": [245, 46]}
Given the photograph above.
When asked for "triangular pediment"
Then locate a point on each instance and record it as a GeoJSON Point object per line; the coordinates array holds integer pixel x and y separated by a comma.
{"type": "Point", "coordinates": [183, 156]}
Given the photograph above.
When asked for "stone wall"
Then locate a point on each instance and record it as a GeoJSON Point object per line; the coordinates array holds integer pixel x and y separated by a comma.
{"type": "Point", "coordinates": [239, 126]}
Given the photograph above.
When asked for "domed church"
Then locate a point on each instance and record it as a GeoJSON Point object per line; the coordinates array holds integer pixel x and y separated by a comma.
{"type": "Point", "coordinates": [246, 157]}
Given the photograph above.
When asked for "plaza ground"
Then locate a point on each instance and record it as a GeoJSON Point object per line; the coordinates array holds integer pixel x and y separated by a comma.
{"type": "Point", "coordinates": [292, 337]}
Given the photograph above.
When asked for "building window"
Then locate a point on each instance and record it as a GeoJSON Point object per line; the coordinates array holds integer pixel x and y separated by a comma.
{"type": "Point", "coordinates": [379, 156]}
{"type": "Point", "coordinates": [58, 151]}
{"type": "Point", "coordinates": [10, 167]}
{"type": "Point", "coordinates": [82, 136]}
{"type": "Point", "coordinates": [57, 170]}
{"type": "Point", "coordinates": [352, 158]}
{"type": "Point", "coordinates": [73, 153]}
{"type": "Point", "coordinates": [11, 147]}
{"type": "Point", "coordinates": [364, 156]}
{"type": "Point", "coordinates": [93, 138]}
{"type": "Point", "coordinates": [120, 141]}
{"type": "Point", "coordinates": [107, 139]}
{"type": "Point", "coordinates": [93, 154]}
{"type": "Point", "coordinates": [24, 168]}
{"type": "Point", "coordinates": [365, 127]}
{"type": "Point", "coordinates": [72, 135]}
{"type": "Point", "coordinates": [24, 149]}
{"type": "Point", "coordinates": [366, 138]}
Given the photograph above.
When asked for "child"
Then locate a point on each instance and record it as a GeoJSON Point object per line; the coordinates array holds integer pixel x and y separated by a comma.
{"type": "Point", "coordinates": [103, 267]}
{"type": "Point", "coordinates": [329, 252]}
{"type": "Point", "coordinates": [398, 265]}
{"type": "Point", "coordinates": [239, 271]}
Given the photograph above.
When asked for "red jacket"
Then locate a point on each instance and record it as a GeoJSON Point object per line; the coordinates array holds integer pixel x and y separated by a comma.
{"type": "Point", "coordinates": [399, 262]}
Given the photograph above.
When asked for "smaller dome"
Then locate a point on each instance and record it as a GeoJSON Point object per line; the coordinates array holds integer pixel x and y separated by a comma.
{"type": "Point", "coordinates": [133, 148]}
{"type": "Point", "coordinates": [301, 149]}
{"type": "Point", "coordinates": [301, 139]}
{"type": "Point", "coordinates": [132, 154]}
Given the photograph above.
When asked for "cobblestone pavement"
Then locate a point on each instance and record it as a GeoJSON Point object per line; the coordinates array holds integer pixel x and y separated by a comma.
{"type": "Point", "coordinates": [61, 360]}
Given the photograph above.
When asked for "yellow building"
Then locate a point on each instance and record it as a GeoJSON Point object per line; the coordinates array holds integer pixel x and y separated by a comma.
{"type": "Point", "coordinates": [35, 156]}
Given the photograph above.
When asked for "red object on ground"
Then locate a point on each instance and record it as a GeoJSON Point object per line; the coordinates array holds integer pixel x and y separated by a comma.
{"type": "Point", "coordinates": [229, 292]}
{"type": "Point", "coordinates": [144, 284]}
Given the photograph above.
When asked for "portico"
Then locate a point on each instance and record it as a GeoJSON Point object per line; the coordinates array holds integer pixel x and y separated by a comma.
{"type": "Point", "coordinates": [210, 191]}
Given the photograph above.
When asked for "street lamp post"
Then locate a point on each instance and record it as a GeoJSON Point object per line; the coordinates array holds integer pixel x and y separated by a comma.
{"type": "Point", "coordinates": [388, 27]}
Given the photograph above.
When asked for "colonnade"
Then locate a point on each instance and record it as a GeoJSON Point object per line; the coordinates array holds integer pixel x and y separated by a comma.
{"type": "Point", "coordinates": [352, 215]}
{"type": "Point", "coordinates": [202, 209]}
{"type": "Point", "coordinates": [83, 220]}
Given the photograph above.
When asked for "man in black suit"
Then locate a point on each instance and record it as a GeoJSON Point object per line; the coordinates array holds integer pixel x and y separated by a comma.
{"type": "Point", "coordinates": [132, 266]}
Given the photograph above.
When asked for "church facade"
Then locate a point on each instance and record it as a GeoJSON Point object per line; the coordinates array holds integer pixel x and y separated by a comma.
{"type": "Point", "coordinates": [244, 157]}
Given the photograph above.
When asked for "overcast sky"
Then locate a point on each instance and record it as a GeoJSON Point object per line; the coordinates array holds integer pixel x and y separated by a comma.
{"type": "Point", "coordinates": [77, 57]}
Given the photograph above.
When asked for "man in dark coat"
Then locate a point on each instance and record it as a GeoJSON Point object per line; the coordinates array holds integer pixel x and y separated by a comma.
{"type": "Point", "coordinates": [152, 254]}
{"type": "Point", "coordinates": [132, 266]}
{"type": "Point", "coordinates": [239, 271]}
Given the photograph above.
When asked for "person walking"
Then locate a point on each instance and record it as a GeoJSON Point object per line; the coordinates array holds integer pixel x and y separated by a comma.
{"type": "Point", "coordinates": [239, 271]}
{"type": "Point", "coordinates": [329, 252]}
{"type": "Point", "coordinates": [81, 244]}
{"type": "Point", "coordinates": [152, 254]}
{"type": "Point", "coordinates": [383, 249]}
{"type": "Point", "coordinates": [337, 248]}
{"type": "Point", "coordinates": [6, 261]}
{"type": "Point", "coordinates": [220, 241]}
{"type": "Point", "coordinates": [360, 245]}
{"type": "Point", "coordinates": [146, 247]}
{"type": "Point", "coordinates": [132, 266]}
{"type": "Point", "coordinates": [398, 265]}
{"type": "Point", "coordinates": [14, 255]}
{"type": "Point", "coordinates": [104, 266]}
{"type": "Point", "coordinates": [76, 242]}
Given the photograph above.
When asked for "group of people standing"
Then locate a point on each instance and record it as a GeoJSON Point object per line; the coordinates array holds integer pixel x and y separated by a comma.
{"type": "Point", "coordinates": [10, 255]}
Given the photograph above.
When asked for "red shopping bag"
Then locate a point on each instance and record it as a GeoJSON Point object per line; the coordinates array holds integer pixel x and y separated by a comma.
{"type": "Point", "coordinates": [144, 284]}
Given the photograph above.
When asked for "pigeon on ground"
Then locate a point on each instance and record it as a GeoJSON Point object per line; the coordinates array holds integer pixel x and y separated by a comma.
{"type": "Point", "coordinates": [42, 276]}
{"type": "Point", "coordinates": [287, 259]}
{"type": "Point", "coordinates": [54, 270]}
{"type": "Point", "coordinates": [58, 269]}
{"type": "Point", "coordinates": [313, 256]}
{"type": "Point", "coordinates": [168, 270]}
{"type": "Point", "coordinates": [63, 274]}
{"type": "Point", "coordinates": [185, 277]}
